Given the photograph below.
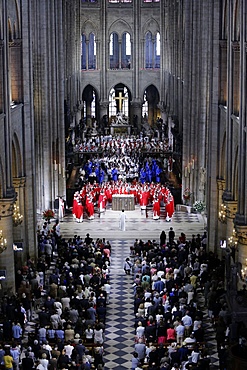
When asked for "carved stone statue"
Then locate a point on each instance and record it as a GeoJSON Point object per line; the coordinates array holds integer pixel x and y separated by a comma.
{"type": "Point", "coordinates": [202, 179]}
{"type": "Point", "coordinates": [120, 119]}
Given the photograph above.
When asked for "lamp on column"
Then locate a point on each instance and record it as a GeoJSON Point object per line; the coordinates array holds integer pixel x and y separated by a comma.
{"type": "Point", "coordinates": [3, 242]}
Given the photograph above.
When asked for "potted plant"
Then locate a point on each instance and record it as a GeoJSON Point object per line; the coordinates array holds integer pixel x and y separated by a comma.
{"type": "Point", "coordinates": [199, 206]}
{"type": "Point", "coordinates": [48, 214]}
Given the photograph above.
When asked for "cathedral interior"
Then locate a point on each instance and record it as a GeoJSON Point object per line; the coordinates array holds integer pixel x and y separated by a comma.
{"type": "Point", "coordinates": [75, 71]}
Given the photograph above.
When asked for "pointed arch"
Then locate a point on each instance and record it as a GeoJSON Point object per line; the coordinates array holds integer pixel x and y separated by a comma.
{"type": "Point", "coordinates": [152, 26]}
{"type": "Point", "coordinates": [89, 33]}
{"type": "Point", "coordinates": [89, 27]}
{"type": "Point", "coordinates": [90, 98]}
{"type": "Point", "coordinates": [120, 26]}
{"type": "Point", "coordinates": [114, 92]}
{"type": "Point", "coordinates": [151, 98]}
{"type": "Point", "coordinates": [114, 50]}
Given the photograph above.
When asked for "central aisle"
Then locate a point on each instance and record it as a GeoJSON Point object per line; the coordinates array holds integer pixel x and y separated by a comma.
{"type": "Point", "coordinates": [119, 323]}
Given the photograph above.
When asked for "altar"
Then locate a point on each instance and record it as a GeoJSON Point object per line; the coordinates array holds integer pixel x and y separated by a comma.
{"type": "Point", "coordinates": [123, 201]}
{"type": "Point", "coordinates": [119, 129]}
{"type": "Point", "coordinates": [120, 124]}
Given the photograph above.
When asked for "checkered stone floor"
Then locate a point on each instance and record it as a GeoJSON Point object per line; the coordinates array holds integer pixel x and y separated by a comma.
{"type": "Point", "coordinates": [119, 331]}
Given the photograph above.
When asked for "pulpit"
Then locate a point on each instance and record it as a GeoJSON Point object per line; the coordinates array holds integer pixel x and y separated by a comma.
{"type": "Point", "coordinates": [123, 201]}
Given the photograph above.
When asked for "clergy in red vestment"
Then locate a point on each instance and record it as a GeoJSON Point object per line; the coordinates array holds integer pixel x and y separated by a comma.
{"type": "Point", "coordinates": [156, 208]}
{"type": "Point", "coordinates": [79, 211]}
{"type": "Point", "coordinates": [102, 201]}
{"type": "Point", "coordinates": [169, 207]}
{"type": "Point", "coordinates": [144, 197]}
{"type": "Point", "coordinates": [75, 202]}
{"type": "Point", "coordinates": [90, 207]}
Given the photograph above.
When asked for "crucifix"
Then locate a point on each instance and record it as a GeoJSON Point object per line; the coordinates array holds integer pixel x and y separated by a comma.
{"type": "Point", "coordinates": [120, 99]}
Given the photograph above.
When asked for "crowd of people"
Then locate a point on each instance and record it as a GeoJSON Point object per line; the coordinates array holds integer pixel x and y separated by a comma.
{"type": "Point", "coordinates": [115, 145]}
{"type": "Point", "coordinates": [66, 304]}
{"type": "Point", "coordinates": [169, 328]}
{"type": "Point", "coordinates": [92, 195]}
{"type": "Point", "coordinates": [125, 158]}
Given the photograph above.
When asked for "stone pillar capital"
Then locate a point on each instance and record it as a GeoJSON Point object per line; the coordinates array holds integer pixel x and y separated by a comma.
{"type": "Point", "coordinates": [104, 104]}
{"type": "Point", "coordinates": [241, 231]}
{"type": "Point", "coordinates": [161, 106]}
{"type": "Point", "coordinates": [7, 206]}
{"type": "Point", "coordinates": [221, 184]}
{"type": "Point", "coordinates": [19, 182]}
{"type": "Point", "coordinates": [231, 208]}
{"type": "Point", "coordinates": [136, 103]}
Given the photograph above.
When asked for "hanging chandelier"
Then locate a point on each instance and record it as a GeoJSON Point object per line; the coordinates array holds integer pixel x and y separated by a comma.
{"type": "Point", "coordinates": [17, 217]}
{"type": "Point", "coordinates": [222, 213]}
{"type": "Point", "coordinates": [3, 242]}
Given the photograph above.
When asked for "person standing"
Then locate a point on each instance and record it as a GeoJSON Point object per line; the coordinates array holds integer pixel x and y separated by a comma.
{"type": "Point", "coordinates": [61, 209]}
{"type": "Point", "coordinates": [8, 360]}
{"type": "Point", "coordinates": [171, 235]}
{"type": "Point", "coordinates": [122, 220]}
{"type": "Point", "coordinates": [162, 238]}
{"type": "Point", "coordinates": [156, 208]}
{"type": "Point", "coordinates": [127, 266]}
{"type": "Point", "coordinates": [15, 352]}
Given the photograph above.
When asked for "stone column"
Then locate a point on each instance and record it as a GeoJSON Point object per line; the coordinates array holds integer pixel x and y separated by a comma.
{"type": "Point", "coordinates": [162, 61]}
{"type": "Point", "coordinates": [241, 216]}
{"type": "Point", "coordinates": [163, 116]}
{"type": "Point", "coordinates": [229, 128]}
{"type": "Point", "coordinates": [87, 45]}
{"type": "Point", "coordinates": [241, 231]}
{"type": "Point", "coordinates": [231, 209]}
{"type": "Point", "coordinates": [7, 257]}
{"type": "Point", "coordinates": [120, 54]}
{"type": "Point", "coordinates": [221, 187]}
{"type": "Point", "coordinates": [103, 108]}
{"type": "Point", "coordinates": [136, 110]}
{"type": "Point", "coordinates": [137, 57]}
{"type": "Point", "coordinates": [89, 113]}
{"type": "Point", "coordinates": [221, 230]}
{"type": "Point", "coordinates": [104, 112]}
{"type": "Point", "coordinates": [104, 52]}
{"type": "Point", "coordinates": [19, 231]}
{"type": "Point", "coordinates": [153, 54]}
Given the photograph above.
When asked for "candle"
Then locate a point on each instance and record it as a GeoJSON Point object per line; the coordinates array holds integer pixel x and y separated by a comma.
{"type": "Point", "coordinates": [185, 171]}
{"type": "Point", "coordinates": [193, 164]}
{"type": "Point", "coordinates": [55, 165]}
{"type": "Point", "coordinates": [59, 168]}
